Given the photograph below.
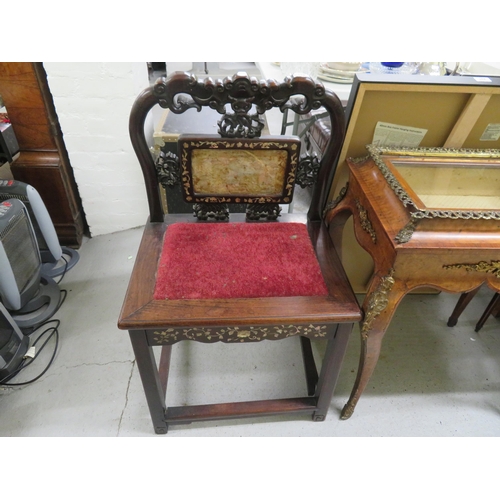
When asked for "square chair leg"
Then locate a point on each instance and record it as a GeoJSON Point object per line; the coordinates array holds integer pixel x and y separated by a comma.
{"type": "Point", "coordinates": [154, 381]}
{"type": "Point", "coordinates": [154, 389]}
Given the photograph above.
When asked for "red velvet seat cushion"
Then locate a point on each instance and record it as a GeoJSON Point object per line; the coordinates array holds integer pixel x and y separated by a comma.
{"type": "Point", "coordinates": [237, 260]}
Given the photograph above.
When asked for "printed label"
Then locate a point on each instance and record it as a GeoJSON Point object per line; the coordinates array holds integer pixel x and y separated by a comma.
{"type": "Point", "coordinates": [398, 136]}
{"type": "Point", "coordinates": [491, 132]}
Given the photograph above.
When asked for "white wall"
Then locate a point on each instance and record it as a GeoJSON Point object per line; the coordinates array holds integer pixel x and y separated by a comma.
{"type": "Point", "coordinates": [93, 102]}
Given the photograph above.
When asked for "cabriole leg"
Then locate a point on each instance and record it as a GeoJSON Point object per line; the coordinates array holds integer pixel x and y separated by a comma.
{"type": "Point", "coordinates": [379, 306]}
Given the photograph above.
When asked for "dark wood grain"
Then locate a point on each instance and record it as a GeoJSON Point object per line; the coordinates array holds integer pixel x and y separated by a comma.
{"type": "Point", "coordinates": [140, 307]}
{"type": "Point", "coordinates": [189, 414]}
{"type": "Point", "coordinates": [164, 322]}
{"type": "Point", "coordinates": [43, 161]}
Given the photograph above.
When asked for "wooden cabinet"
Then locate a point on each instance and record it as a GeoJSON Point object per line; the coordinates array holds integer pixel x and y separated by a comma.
{"type": "Point", "coordinates": [421, 210]}
{"type": "Point", "coordinates": [43, 161]}
{"type": "Point", "coordinates": [424, 111]}
{"type": "Point", "coordinates": [429, 217]}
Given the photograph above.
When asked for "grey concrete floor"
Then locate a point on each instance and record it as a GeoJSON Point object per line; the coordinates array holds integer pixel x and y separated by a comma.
{"type": "Point", "coordinates": [431, 380]}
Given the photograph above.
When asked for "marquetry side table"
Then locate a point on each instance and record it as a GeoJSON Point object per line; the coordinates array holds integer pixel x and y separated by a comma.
{"type": "Point", "coordinates": [429, 217]}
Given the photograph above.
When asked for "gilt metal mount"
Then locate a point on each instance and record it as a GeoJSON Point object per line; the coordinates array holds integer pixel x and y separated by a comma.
{"type": "Point", "coordinates": [492, 267]}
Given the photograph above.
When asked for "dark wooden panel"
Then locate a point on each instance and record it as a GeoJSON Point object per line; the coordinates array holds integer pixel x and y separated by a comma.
{"type": "Point", "coordinates": [43, 171]}
{"type": "Point", "coordinates": [188, 414]}
{"type": "Point", "coordinates": [43, 161]}
{"type": "Point", "coordinates": [25, 104]}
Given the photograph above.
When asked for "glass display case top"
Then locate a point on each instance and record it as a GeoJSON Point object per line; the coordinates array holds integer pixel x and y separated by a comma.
{"type": "Point", "coordinates": [439, 182]}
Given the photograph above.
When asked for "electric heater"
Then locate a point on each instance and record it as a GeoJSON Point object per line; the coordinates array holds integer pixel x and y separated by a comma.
{"type": "Point", "coordinates": [48, 242]}
{"type": "Point", "coordinates": [30, 297]}
{"type": "Point", "coordinates": [13, 345]}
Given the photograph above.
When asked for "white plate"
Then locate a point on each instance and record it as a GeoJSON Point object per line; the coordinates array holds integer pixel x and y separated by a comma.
{"type": "Point", "coordinates": [344, 66]}
{"type": "Point", "coordinates": [324, 69]}
{"type": "Point", "coordinates": [334, 79]}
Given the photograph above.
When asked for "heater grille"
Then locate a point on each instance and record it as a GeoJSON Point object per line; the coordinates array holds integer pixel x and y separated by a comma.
{"type": "Point", "coordinates": [5, 332]}
{"type": "Point", "coordinates": [21, 248]}
{"type": "Point", "coordinates": [8, 341]}
{"type": "Point", "coordinates": [39, 236]}
{"type": "Point", "coordinates": [13, 345]}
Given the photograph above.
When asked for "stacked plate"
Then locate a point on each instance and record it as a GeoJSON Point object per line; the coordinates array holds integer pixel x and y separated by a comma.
{"type": "Point", "coordinates": [339, 72]}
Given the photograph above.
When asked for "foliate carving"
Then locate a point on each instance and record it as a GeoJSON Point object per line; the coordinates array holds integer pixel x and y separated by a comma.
{"type": "Point", "coordinates": [267, 211]}
{"type": "Point", "coordinates": [332, 204]}
{"type": "Point", "coordinates": [168, 169]}
{"type": "Point", "coordinates": [365, 221]}
{"type": "Point", "coordinates": [238, 334]}
{"type": "Point", "coordinates": [178, 102]}
{"type": "Point", "coordinates": [311, 100]}
{"type": "Point", "coordinates": [240, 91]}
{"type": "Point", "coordinates": [240, 125]}
{"type": "Point", "coordinates": [217, 211]}
{"type": "Point", "coordinates": [492, 267]}
{"type": "Point", "coordinates": [377, 302]}
{"type": "Point", "coordinates": [307, 171]}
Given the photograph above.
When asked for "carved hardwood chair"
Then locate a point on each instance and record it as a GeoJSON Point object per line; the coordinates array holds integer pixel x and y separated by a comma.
{"type": "Point", "coordinates": [245, 277]}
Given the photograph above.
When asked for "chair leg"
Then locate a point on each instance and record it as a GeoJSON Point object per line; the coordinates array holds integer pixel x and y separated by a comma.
{"type": "Point", "coordinates": [330, 369]}
{"type": "Point", "coordinates": [154, 381]}
{"type": "Point", "coordinates": [489, 310]}
{"type": "Point", "coordinates": [462, 303]}
{"type": "Point", "coordinates": [496, 311]}
{"type": "Point", "coordinates": [164, 368]}
{"type": "Point", "coordinates": [150, 377]}
{"type": "Point", "coordinates": [309, 365]}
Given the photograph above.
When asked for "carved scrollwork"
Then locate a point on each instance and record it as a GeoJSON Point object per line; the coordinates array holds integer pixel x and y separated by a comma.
{"type": "Point", "coordinates": [241, 92]}
{"type": "Point", "coordinates": [240, 125]}
{"type": "Point", "coordinates": [307, 170]}
{"type": "Point", "coordinates": [177, 102]}
{"type": "Point", "coordinates": [259, 211]}
{"type": "Point", "coordinates": [311, 100]}
{"type": "Point", "coordinates": [217, 211]}
{"type": "Point", "coordinates": [168, 169]}
{"type": "Point", "coordinates": [238, 334]}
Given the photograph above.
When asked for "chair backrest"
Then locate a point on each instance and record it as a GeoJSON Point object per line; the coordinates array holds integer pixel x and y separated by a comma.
{"type": "Point", "coordinates": [274, 165]}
